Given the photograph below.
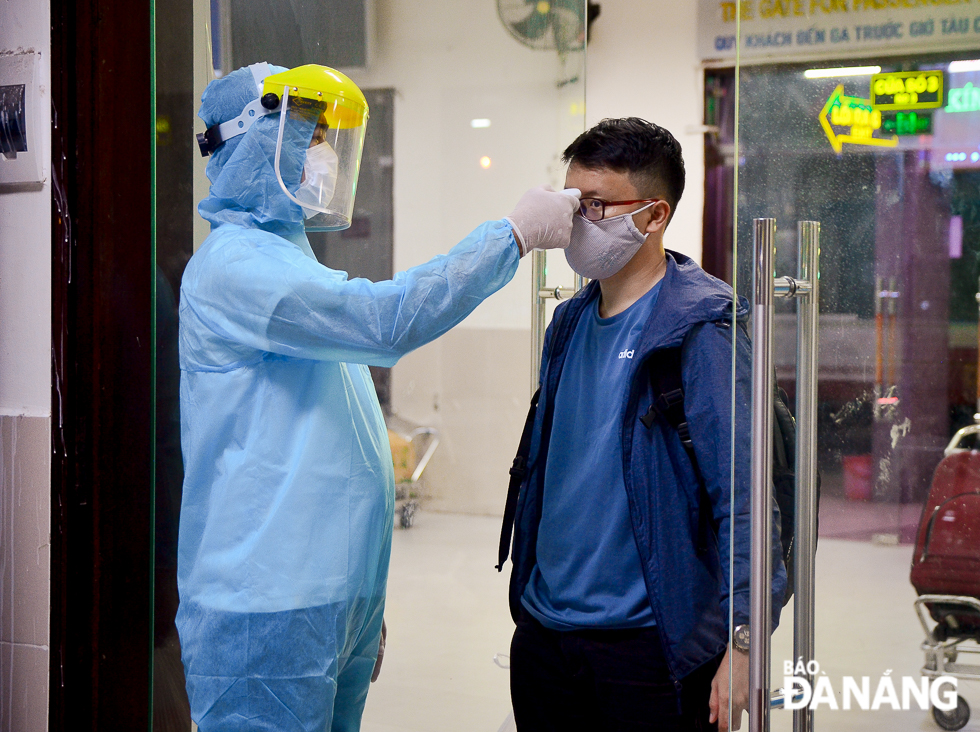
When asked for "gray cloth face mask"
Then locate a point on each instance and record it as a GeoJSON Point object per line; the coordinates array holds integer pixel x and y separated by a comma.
{"type": "Point", "coordinates": [599, 249]}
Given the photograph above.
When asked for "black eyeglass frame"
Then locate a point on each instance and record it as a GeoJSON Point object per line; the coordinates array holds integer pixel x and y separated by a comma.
{"type": "Point", "coordinates": [583, 210]}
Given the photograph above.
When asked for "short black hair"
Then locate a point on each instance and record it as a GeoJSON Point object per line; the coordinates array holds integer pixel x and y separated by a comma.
{"type": "Point", "coordinates": [648, 153]}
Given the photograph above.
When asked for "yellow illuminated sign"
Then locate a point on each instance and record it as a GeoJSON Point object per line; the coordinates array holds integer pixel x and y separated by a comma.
{"type": "Point", "coordinates": [858, 119]}
{"type": "Point", "coordinates": [907, 90]}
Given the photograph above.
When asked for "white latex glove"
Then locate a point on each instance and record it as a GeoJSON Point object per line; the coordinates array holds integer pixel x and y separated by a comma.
{"type": "Point", "coordinates": [542, 218]}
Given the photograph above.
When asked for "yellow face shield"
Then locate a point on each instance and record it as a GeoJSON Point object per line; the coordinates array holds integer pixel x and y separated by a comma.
{"type": "Point", "coordinates": [325, 100]}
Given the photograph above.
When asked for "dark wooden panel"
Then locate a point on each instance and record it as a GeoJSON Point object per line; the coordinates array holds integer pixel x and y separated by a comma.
{"type": "Point", "coordinates": [101, 393]}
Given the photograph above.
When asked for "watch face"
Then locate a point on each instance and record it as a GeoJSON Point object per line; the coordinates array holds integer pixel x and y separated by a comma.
{"type": "Point", "coordinates": [741, 637]}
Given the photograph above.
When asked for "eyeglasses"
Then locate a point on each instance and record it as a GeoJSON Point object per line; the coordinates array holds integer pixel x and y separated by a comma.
{"type": "Point", "coordinates": [594, 209]}
{"type": "Point", "coordinates": [319, 132]}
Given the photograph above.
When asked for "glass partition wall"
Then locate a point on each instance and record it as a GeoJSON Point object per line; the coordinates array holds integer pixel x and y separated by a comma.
{"type": "Point", "coordinates": [470, 105]}
{"type": "Point", "coordinates": [884, 153]}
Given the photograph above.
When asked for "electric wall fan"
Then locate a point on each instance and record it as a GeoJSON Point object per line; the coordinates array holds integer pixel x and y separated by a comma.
{"type": "Point", "coordinates": [548, 24]}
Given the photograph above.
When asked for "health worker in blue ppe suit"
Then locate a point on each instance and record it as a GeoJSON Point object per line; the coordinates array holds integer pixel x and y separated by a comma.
{"type": "Point", "coordinates": [288, 497]}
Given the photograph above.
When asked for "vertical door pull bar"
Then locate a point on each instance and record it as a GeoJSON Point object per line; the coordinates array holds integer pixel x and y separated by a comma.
{"type": "Point", "coordinates": [539, 263]}
{"type": "Point", "coordinates": [805, 287]}
{"type": "Point", "coordinates": [808, 314]}
{"type": "Point", "coordinates": [760, 580]}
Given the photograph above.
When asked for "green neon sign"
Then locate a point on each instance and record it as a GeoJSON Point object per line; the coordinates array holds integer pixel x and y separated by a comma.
{"type": "Point", "coordinates": [964, 99]}
{"type": "Point", "coordinates": [907, 123]}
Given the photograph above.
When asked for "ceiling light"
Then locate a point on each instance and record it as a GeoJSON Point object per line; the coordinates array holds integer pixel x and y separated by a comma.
{"type": "Point", "coordinates": [971, 65]}
{"type": "Point", "coordinates": [842, 71]}
{"type": "Point", "coordinates": [477, 123]}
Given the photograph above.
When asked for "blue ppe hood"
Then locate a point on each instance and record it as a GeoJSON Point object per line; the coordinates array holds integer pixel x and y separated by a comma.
{"type": "Point", "coordinates": [244, 188]}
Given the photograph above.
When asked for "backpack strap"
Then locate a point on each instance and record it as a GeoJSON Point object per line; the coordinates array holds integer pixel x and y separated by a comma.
{"type": "Point", "coordinates": [518, 472]}
{"type": "Point", "coordinates": [664, 371]}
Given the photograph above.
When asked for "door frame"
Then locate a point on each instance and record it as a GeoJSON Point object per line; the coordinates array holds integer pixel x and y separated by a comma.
{"type": "Point", "coordinates": [101, 469]}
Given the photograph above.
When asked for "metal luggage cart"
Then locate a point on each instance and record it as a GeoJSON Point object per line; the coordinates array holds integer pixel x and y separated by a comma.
{"type": "Point", "coordinates": [409, 466]}
{"type": "Point", "coordinates": [944, 644]}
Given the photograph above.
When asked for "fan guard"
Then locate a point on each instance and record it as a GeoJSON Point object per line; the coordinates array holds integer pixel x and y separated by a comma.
{"type": "Point", "coordinates": [548, 24]}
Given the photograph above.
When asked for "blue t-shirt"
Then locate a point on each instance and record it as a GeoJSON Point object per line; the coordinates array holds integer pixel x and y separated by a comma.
{"type": "Point", "coordinates": [588, 572]}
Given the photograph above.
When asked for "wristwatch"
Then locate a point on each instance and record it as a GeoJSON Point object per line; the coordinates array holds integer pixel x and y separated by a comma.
{"type": "Point", "coordinates": [740, 638]}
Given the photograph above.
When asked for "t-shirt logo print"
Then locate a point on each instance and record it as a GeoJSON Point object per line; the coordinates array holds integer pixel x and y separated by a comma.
{"type": "Point", "coordinates": [627, 354]}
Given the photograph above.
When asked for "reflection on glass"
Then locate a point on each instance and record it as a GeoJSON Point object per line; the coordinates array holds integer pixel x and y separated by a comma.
{"type": "Point", "coordinates": [893, 176]}
{"type": "Point", "coordinates": [170, 707]}
{"type": "Point", "coordinates": [175, 148]}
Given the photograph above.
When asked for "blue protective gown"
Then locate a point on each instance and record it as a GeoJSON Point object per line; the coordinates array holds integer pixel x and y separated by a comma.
{"type": "Point", "coordinates": [288, 499]}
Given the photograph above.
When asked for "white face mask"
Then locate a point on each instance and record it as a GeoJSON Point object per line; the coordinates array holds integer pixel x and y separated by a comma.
{"type": "Point", "coordinates": [599, 249]}
{"type": "Point", "coordinates": [319, 178]}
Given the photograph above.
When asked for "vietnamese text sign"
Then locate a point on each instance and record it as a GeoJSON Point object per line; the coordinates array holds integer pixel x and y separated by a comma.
{"type": "Point", "coordinates": [785, 29]}
{"type": "Point", "coordinates": [907, 90]}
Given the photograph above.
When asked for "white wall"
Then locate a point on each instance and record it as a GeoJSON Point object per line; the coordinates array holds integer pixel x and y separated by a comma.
{"type": "Point", "coordinates": [25, 406]}
{"type": "Point", "coordinates": [451, 62]}
{"type": "Point", "coordinates": [25, 241]}
{"type": "Point", "coordinates": [643, 62]}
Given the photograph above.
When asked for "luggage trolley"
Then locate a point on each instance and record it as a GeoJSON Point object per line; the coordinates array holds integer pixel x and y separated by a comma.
{"type": "Point", "coordinates": [956, 632]}
{"type": "Point", "coordinates": [946, 574]}
{"type": "Point", "coordinates": [412, 447]}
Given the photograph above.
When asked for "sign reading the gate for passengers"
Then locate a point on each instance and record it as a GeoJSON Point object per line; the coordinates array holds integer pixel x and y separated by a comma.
{"type": "Point", "coordinates": [786, 29]}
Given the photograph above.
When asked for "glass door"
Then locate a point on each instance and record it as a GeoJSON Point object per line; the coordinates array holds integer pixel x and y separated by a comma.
{"type": "Point", "coordinates": [470, 105]}
{"type": "Point", "coordinates": [881, 147]}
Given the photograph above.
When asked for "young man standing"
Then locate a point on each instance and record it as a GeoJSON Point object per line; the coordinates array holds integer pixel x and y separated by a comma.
{"type": "Point", "coordinates": [620, 594]}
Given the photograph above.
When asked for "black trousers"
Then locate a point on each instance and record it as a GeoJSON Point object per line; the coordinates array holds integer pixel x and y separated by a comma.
{"type": "Point", "coordinates": [602, 680]}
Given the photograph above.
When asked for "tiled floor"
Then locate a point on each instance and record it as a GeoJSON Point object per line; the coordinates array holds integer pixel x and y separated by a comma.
{"type": "Point", "coordinates": [865, 626]}
{"type": "Point", "coordinates": [863, 521]}
{"type": "Point", "coordinates": [447, 618]}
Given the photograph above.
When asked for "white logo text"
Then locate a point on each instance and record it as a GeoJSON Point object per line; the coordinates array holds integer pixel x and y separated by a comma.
{"type": "Point", "coordinates": [806, 687]}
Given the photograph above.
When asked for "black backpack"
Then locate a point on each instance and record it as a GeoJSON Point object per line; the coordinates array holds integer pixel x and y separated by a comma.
{"type": "Point", "coordinates": [664, 369]}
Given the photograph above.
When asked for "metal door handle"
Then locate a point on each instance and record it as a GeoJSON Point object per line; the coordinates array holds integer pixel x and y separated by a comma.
{"type": "Point", "coordinates": [766, 288]}
{"type": "Point", "coordinates": [540, 294]}
{"type": "Point", "coordinates": [807, 346]}
{"type": "Point", "coordinates": [778, 698]}
{"type": "Point", "coordinates": [760, 561]}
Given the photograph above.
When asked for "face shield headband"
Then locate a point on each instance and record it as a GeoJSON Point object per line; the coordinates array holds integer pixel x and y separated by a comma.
{"type": "Point", "coordinates": [218, 134]}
